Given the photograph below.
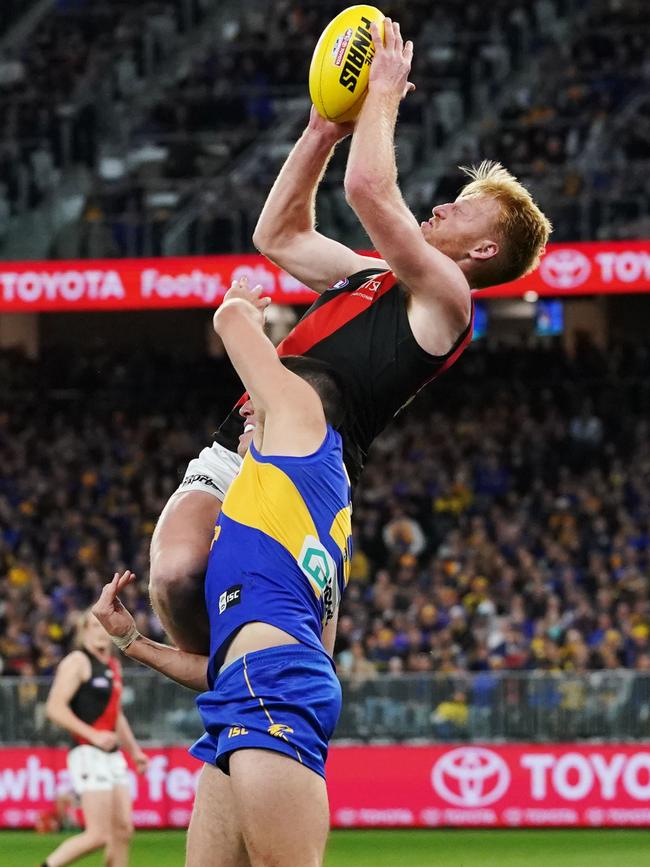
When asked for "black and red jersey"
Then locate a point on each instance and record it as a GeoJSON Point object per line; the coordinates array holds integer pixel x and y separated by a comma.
{"type": "Point", "coordinates": [360, 326]}
{"type": "Point", "coordinates": [97, 701]}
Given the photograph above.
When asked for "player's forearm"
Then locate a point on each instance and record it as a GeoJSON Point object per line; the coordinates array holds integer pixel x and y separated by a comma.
{"type": "Point", "coordinates": [188, 669]}
{"type": "Point", "coordinates": [371, 172]}
{"type": "Point", "coordinates": [126, 736]}
{"type": "Point", "coordinates": [290, 206]}
{"type": "Point", "coordinates": [251, 352]}
{"type": "Point", "coordinates": [62, 716]}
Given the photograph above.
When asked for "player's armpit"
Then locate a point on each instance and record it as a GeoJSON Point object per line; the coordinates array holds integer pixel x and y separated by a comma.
{"type": "Point", "coordinates": [315, 260]}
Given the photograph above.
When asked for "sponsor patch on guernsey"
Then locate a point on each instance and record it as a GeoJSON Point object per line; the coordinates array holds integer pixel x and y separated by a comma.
{"type": "Point", "coordinates": [230, 597]}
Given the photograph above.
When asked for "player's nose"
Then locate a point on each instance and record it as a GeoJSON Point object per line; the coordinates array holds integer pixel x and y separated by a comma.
{"type": "Point", "coordinates": [440, 211]}
{"type": "Point", "coordinates": [246, 409]}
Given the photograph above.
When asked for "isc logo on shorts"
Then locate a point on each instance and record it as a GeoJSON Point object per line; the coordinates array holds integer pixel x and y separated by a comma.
{"type": "Point", "coordinates": [230, 597]}
{"type": "Point", "coordinates": [236, 731]}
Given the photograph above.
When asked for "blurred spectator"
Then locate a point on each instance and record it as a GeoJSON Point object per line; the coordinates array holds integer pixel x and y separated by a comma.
{"type": "Point", "coordinates": [450, 718]}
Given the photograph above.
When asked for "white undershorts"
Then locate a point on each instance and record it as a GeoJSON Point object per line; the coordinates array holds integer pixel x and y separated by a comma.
{"type": "Point", "coordinates": [94, 770]}
{"type": "Point", "coordinates": [212, 472]}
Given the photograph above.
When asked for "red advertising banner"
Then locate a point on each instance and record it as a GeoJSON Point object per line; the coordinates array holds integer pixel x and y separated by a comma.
{"type": "Point", "coordinates": [31, 778]}
{"type": "Point", "coordinates": [201, 281]}
{"type": "Point", "coordinates": [515, 785]}
{"type": "Point", "coordinates": [490, 786]}
{"type": "Point", "coordinates": [139, 284]}
{"type": "Point", "coordinates": [598, 268]}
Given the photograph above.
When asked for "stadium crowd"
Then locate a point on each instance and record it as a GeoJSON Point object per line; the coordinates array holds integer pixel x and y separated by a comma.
{"type": "Point", "coordinates": [502, 524]}
{"type": "Point", "coordinates": [71, 95]}
{"type": "Point", "coordinates": [80, 55]}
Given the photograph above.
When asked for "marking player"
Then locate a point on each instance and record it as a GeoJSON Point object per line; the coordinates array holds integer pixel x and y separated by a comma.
{"type": "Point", "coordinates": [278, 565]}
{"type": "Point", "coordinates": [388, 326]}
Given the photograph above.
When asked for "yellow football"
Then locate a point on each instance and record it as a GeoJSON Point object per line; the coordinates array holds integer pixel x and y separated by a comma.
{"type": "Point", "coordinates": [340, 66]}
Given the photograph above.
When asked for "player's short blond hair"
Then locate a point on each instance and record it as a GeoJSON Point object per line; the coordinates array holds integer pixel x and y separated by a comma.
{"type": "Point", "coordinates": [522, 228]}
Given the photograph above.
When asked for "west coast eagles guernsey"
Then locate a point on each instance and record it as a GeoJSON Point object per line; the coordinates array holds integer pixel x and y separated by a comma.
{"type": "Point", "coordinates": [282, 546]}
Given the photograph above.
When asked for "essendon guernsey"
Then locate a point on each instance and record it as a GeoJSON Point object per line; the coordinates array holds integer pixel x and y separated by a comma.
{"type": "Point", "coordinates": [97, 701]}
{"type": "Point", "coordinates": [360, 327]}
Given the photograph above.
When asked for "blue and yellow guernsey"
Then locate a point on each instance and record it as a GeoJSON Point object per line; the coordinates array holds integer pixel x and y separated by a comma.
{"type": "Point", "coordinates": [282, 547]}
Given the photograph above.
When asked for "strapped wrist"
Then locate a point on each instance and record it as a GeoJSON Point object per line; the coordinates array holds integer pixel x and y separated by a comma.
{"type": "Point", "coordinates": [125, 641]}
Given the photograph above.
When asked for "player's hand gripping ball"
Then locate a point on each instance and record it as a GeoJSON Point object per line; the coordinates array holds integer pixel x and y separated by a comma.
{"type": "Point", "coordinates": [340, 66]}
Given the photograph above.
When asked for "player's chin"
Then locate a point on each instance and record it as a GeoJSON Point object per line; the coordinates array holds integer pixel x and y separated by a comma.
{"type": "Point", "coordinates": [244, 443]}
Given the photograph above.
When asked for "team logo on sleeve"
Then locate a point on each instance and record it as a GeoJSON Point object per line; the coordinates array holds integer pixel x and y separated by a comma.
{"type": "Point", "coordinates": [230, 597]}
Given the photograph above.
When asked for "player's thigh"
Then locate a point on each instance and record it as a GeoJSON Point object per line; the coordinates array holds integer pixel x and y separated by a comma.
{"type": "Point", "coordinates": [97, 809]}
{"type": "Point", "coordinates": [283, 809]}
{"type": "Point", "coordinates": [214, 836]}
{"type": "Point", "coordinates": [122, 818]}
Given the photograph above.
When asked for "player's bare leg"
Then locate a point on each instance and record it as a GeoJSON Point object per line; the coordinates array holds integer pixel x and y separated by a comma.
{"type": "Point", "coordinates": [117, 851]}
{"type": "Point", "coordinates": [97, 809]}
{"type": "Point", "coordinates": [179, 555]}
{"type": "Point", "coordinates": [214, 836]}
{"type": "Point", "coordinates": [282, 807]}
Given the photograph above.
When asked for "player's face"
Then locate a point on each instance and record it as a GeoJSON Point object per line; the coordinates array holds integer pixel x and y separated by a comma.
{"type": "Point", "coordinates": [247, 412]}
{"type": "Point", "coordinates": [456, 228]}
{"type": "Point", "coordinates": [95, 636]}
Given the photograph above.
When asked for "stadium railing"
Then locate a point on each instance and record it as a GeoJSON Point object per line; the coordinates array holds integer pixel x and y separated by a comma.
{"type": "Point", "coordinates": [537, 706]}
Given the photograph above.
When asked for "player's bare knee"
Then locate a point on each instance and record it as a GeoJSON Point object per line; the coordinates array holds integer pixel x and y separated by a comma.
{"type": "Point", "coordinates": [122, 831]}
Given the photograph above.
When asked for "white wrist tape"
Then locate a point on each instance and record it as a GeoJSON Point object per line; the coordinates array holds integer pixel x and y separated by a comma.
{"type": "Point", "coordinates": [124, 641]}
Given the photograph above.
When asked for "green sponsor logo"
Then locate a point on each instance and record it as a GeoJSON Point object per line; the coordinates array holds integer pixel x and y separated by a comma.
{"type": "Point", "coordinates": [315, 564]}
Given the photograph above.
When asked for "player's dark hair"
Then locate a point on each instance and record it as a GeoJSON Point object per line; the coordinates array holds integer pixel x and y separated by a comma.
{"type": "Point", "coordinates": [325, 381]}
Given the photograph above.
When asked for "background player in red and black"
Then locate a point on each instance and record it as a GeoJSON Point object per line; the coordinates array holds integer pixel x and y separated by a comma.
{"type": "Point", "coordinates": [387, 326]}
{"type": "Point", "coordinates": [85, 699]}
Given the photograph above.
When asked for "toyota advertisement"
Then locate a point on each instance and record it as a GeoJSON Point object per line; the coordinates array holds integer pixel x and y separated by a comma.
{"type": "Point", "coordinates": [393, 786]}
{"type": "Point", "coordinates": [490, 786]}
{"type": "Point", "coordinates": [201, 281]}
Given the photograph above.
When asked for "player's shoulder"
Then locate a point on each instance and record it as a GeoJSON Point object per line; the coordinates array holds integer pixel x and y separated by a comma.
{"type": "Point", "coordinates": [75, 661]}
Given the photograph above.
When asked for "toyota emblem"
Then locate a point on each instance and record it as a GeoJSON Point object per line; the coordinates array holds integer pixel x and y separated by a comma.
{"type": "Point", "coordinates": [565, 269]}
{"type": "Point", "coordinates": [470, 777]}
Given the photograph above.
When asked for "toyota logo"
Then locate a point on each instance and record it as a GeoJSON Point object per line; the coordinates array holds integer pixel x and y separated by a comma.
{"type": "Point", "coordinates": [470, 777]}
{"type": "Point", "coordinates": [565, 269]}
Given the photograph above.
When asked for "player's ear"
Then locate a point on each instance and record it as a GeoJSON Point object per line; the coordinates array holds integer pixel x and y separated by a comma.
{"type": "Point", "coordinates": [484, 250]}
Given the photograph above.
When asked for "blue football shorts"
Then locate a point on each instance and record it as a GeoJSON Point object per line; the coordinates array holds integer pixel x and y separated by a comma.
{"type": "Point", "coordinates": [286, 699]}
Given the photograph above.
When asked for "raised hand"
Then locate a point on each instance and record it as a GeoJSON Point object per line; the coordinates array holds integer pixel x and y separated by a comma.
{"type": "Point", "coordinates": [391, 64]}
{"type": "Point", "coordinates": [110, 612]}
{"type": "Point", "coordinates": [328, 129]}
{"type": "Point", "coordinates": [240, 289]}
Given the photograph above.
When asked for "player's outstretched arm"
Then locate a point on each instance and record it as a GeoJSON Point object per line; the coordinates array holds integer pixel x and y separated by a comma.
{"type": "Point", "coordinates": [188, 669]}
{"type": "Point", "coordinates": [295, 422]}
{"type": "Point", "coordinates": [286, 230]}
{"type": "Point", "coordinates": [372, 190]}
